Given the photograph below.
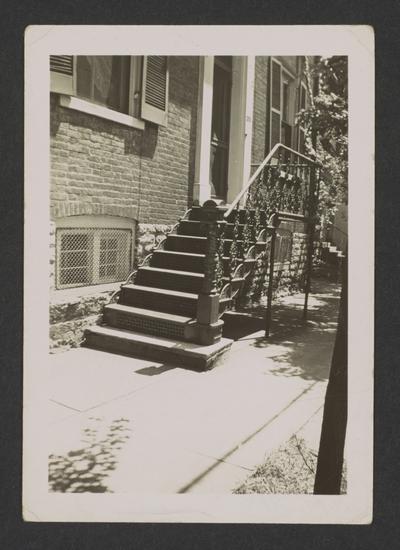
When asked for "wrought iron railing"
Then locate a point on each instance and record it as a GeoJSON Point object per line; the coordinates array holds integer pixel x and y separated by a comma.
{"type": "Point", "coordinates": [284, 187]}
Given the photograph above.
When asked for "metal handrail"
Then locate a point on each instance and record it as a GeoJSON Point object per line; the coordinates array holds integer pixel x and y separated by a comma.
{"type": "Point", "coordinates": [270, 155]}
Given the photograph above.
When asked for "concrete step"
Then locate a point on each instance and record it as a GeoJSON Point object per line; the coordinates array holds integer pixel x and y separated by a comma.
{"type": "Point", "coordinates": [159, 299]}
{"type": "Point", "coordinates": [185, 243]}
{"type": "Point", "coordinates": [184, 261]}
{"type": "Point", "coordinates": [198, 213]}
{"type": "Point", "coordinates": [197, 245]}
{"type": "Point", "coordinates": [148, 321]}
{"type": "Point", "coordinates": [171, 279]}
{"type": "Point", "coordinates": [198, 229]}
{"type": "Point", "coordinates": [163, 350]}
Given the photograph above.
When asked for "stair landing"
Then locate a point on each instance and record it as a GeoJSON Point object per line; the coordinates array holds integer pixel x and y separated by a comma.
{"type": "Point", "coordinates": [166, 350]}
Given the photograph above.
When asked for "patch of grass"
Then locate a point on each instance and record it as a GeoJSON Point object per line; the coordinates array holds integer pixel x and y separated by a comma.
{"type": "Point", "coordinates": [289, 470]}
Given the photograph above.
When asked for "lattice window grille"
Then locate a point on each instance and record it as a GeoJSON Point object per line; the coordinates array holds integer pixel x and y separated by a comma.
{"type": "Point", "coordinates": [90, 256]}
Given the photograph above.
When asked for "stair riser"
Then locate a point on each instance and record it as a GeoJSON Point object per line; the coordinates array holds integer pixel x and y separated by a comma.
{"type": "Point", "coordinates": [147, 351]}
{"type": "Point", "coordinates": [136, 323]}
{"type": "Point", "coordinates": [178, 261]}
{"type": "Point", "coordinates": [198, 214]}
{"type": "Point", "coordinates": [194, 245]}
{"type": "Point", "coordinates": [200, 230]}
{"type": "Point", "coordinates": [168, 280]}
{"type": "Point", "coordinates": [164, 303]}
{"type": "Point", "coordinates": [181, 244]}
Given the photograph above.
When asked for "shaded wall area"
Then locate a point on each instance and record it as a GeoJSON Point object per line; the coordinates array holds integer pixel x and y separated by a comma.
{"type": "Point", "coordinates": [102, 167]}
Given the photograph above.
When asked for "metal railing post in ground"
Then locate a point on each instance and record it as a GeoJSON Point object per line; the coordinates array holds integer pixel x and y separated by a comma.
{"type": "Point", "coordinates": [268, 313]}
{"type": "Point", "coordinates": [310, 244]}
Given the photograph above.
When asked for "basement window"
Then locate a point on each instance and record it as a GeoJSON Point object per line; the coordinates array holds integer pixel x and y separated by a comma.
{"type": "Point", "coordinates": [92, 255]}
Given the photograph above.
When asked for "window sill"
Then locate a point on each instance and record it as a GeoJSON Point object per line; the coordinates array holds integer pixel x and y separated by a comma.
{"type": "Point", "coordinates": [71, 102]}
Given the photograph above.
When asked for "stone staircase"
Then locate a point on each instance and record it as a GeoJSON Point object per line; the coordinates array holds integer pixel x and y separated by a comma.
{"type": "Point", "coordinates": [331, 249]}
{"type": "Point", "coordinates": [164, 313]}
{"type": "Point", "coordinates": [170, 309]}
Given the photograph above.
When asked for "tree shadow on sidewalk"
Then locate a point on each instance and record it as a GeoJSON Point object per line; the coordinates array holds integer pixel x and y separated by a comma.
{"type": "Point", "coordinates": [296, 347]}
{"type": "Point", "coordinates": [85, 470]}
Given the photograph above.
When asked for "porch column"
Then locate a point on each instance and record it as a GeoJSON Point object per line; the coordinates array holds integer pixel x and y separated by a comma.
{"type": "Point", "coordinates": [241, 124]}
{"type": "Point", "coordinates": [202, 190]}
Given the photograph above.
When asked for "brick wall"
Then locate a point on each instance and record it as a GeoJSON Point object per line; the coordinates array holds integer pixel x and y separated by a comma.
{"type": "Point", "coordinates": [102, 167]}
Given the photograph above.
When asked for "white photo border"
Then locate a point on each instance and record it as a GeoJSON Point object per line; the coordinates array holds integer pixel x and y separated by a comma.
{"type": "Point", "coordinates": [356, 42]}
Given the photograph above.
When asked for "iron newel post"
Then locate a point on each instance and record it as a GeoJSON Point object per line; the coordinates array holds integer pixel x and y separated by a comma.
{"type": "Point", "coordinates": [208, 301]}
{"type": "Point", "coordinates": [312, 213]}
{"type": "Point", "coordinates": [273, 224]}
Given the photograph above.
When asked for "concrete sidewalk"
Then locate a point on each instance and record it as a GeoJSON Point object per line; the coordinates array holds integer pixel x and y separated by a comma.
{"type": "Point", "coordinates": [130, 425]}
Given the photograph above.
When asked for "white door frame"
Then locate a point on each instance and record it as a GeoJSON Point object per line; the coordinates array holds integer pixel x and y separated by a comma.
{"type": "Point", "coordinates": [240, 133]}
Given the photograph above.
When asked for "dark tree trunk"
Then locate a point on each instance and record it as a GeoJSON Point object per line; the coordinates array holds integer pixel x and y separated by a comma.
{"type": "Point", "coordinates": [330, 456]}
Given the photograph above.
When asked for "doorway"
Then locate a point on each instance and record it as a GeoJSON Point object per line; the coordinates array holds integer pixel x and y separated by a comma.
{"type": "Point", "coordinates": [220, 126]}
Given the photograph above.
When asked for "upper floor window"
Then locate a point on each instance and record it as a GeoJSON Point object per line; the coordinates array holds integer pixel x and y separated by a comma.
{"type": "Point", "coordinates": [105, 80]}
{"type": "Point", "coordinates": [133, 86]}
{"type": "Point", "coordinates": [287, 96]}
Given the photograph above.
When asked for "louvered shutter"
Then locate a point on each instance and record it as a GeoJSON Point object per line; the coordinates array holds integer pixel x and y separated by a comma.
{"type": "Point", "coordinates": [275, 103]}
{"type": "Point", "coordinates": [62, 74]}
{"type": "Point", "coordinates": [155, 89]}
{"type": "Point", "coordinates": [301, 134]}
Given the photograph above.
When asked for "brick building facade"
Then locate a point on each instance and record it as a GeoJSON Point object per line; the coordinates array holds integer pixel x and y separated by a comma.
{"type": "Point", "coordinates": [135, 142]}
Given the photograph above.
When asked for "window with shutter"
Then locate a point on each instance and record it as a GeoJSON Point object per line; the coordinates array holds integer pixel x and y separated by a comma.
{"type": "Point", "coordinates": [288, 109]}
{"type": "Point", "coordinates": [155, 89]}
{"type": "Point", "coordinates": [103, 85]}
{"type": "Point", "coordinates": [302, 105]}
{"type": "Point", "coordinates": [62, 74]}
{"type": "Point", "coordinates": [275, 103]}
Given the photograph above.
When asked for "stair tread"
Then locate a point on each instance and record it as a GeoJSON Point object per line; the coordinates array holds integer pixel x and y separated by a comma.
{"type": "Point", "coordinates": [160, 342]}
{"type": "Point", "coordinates": [150, 313]}
{"type": "Point", "coordinates": [240, 259]}
{"type": "Point", "coordinates": [204, 221]}
{"type": "Point", "coordinates": [157, 290]}
{"type": "Point", "coordinates": [189, 237]}
{"type": "Point", "coordinates": [174, 271]}
{"type": "Point", "coordinates": [174, 252]}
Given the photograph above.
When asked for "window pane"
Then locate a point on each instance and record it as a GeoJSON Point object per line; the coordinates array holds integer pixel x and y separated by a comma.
{"type": "Point", "coordinates": [74, 241]}
{"type": "Point", "coordinates": [276, 86]}
{"type": "Point", "coordinates": [92, 256]}
{"type": "Point", "coordinates": [104, 80]}
{"type": "Point", "coordinates": [275, 128]}
{"type": "Point", "coordinates": [75, 276]}
{"type": "Point", "coordinates": [74, 259]}
{"type": "Point", "coordinates": [285, 97]}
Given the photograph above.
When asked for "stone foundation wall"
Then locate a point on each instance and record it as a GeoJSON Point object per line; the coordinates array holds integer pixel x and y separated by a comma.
{"type": "Point", "coordinates": [148, 236]}
{"type": "Point", "coordinates": [73, 311]}
{"type": "Point", "coordinates": [70, 316]}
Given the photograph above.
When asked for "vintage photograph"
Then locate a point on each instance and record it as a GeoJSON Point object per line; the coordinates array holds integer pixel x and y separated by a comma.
{"type": "Point", "coordinates": [198, 274]}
